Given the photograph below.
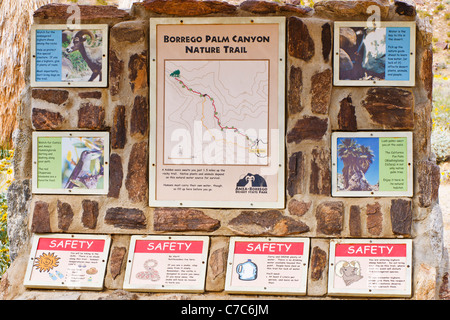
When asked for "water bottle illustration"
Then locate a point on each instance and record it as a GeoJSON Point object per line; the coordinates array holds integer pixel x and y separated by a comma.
{"type": "Point", "coordinates": [247, 271]}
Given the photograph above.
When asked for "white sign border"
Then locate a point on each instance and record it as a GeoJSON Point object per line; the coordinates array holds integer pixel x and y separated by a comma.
{"type": "Point", "coordinates": [376, 83]}
{"type": "Point", "coordinates": [72, 84]}
{"type": "Point", "coordinates": [264, 290]}
{"type": "Point", "coordinates": [372, 134]}
{"type": "Point", "coordinates": [370, 292]}
{"type": "Point", "coordinates": [28, 283]}
{"type": "Point", "coordinates": [70, 134]}
{"type": "Point", "coordinates": [166, 288]}
{"type": "Point", "coordinates": [280, 162]}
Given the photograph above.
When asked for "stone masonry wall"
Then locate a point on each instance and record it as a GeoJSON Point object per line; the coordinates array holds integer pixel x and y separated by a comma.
{"type": "Point", "coordinates": [314, 109]}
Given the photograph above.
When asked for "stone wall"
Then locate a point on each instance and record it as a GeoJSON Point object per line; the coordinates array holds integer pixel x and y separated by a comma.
{"type": "Point", "coordinates": [314, 108]}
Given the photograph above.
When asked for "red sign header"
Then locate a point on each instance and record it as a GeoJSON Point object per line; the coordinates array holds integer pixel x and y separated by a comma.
{"type": "Point", "coordinates": [270, 248]}
{"type": "Point", "coordinates": [168, 246]}
{"type": "Point", "coordinates": [371, 250]}
{"type": "Point", "coordinates": [59, 244]}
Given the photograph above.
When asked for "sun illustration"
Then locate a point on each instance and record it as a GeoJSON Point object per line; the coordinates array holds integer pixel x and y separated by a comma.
{"type": "Point", "coordinates": [46, 262]}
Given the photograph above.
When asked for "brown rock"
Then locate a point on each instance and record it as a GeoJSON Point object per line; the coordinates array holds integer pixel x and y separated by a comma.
{"type": "Point", "coordinates": [318, 263]}
{"type": "Point", "coordinates": [180, 219]}
{"type": "Point", "coordinates": [139, 117]}
{"type": "Point", "coordinates": [259, 7]}
{"type": "Point", "coordinates": [300, 43]}
{"type": "Point", "coordinates": [126, 218]}
{"type": "Point", "coordinates": [330, 217]}
{"type": "Point", "coordinates": [428, 178]}
{"type": "Point", "coordinates": [326, 41]}
{"type": "Point", "coordinates": [296, 173]}
{"type": "Point", "coordinates": [137, 67]}
{"type": "Point", "coordinates": [90, 213]}
{"type": "Point", "coordinates": [88, 13]}
{"type": "Point", "coordinates": [346, 116]}
{"type": "Point", "coordinates": [401, 216]}
{"type": "Point", "coordinates": [426, 71]}
{"type": "Point", "coordinates": [91, 116]}
{"type": "Point", "coordinates": [444, 290]}
{"type": "Point", "coordinates": [116, 260]}
{"type": "Point", "coordinates": [271, 222]}
{"type": "Point", "coordinates": [308, 128]}
{"type": "Point", "coordinates": [320, 177]}
{"type": "Point", "coordinates": [405, 7]}
{"type": "Point", "coordinates": [41, 218]}
{"type": "Point", "coordinates": [118, 129]}
{"type": "Point", "coordinates": [90, 95]}
{"type": "Point", "coordinates": [350, 9]}
{"type": "Point", "coordinates": [218, 262]}
{"type": "Point", "coordinates": [115, 175]}
{"type": "Point", "coordinates": [46, 120]}
{"type": "Point", "coordinates": [355, 221]}
{"type": "Point", "coordinates": [128, 31]}
{"type": "Point", "coordinates": [295, 90]}
{"type": "Point", "coordinates": [115, 72]}
{"type": "Point", "coordinates": [374, 219]}
{"type": "Point", "coordinates": [187, 8]}
{"type": "Point", "coordinates": [321, 91]}
{"type": "Point", "coordinates": [50, 95]}
{"type": "Point", "coordinates": [298, 208]}
{"type": "Point", "coordinates": [65, 215]}
{"type": "Point", "coordinates": [137, 175]}
{"type": "Point", "coordinates": [391, 108]}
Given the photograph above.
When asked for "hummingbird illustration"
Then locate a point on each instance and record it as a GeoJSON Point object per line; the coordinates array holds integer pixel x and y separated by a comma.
{"type": "Point", "coordinates": [82, 170]}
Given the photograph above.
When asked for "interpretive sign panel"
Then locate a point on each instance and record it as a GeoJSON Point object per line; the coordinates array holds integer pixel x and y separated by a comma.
{"type": "Point", "coordinates": [167, 263]}
{"type": "Point", "coordinates": [71, 162]}
{"type": "Point", "coordinates": [370, 267]}
{"type": "Point", "coordinates": [369, 53]}
{"type": "Point", "coordinates": [69, 55]}
{"type": "Point", "coordinates": [67, 261]}
{"type": "Point", "coordinates": [217, 112]}
{"type": "Point", "coordinates": [374, 164]}
{"type": "Point", "coordinates": [267, 265]}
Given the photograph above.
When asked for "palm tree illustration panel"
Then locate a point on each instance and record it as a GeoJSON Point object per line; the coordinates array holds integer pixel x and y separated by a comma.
{"type": "Point", "coordinates": [377, 164]}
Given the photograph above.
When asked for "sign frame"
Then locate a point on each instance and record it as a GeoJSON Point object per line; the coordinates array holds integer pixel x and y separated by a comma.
{"type": "Point", "coordinates": [246, 289]}
{"type": "Point", "coordinates": [166, 287]}
{"type": "Point", "coordinates": [378, 24]}
{"type": "Point", "coordinates": [370, 292]}
{"type": "Point", "coordinates": [276, 164]}
{"type": "Point", "coordinates": [85, 285]}
{"type": "Point", "coordinates": [372, 134]}
{"type": "Point", "coordinates": [70, 134]}
{"type": "Point", "coordinates": [73, 84]}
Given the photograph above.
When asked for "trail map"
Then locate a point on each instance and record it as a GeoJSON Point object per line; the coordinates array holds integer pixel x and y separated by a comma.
{"type": "Point", "coordinates": [216, 112]}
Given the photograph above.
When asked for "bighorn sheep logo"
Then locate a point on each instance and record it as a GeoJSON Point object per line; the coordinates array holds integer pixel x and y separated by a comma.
{"type": "Point", "coordinates": [92, 55]}
{"type": "Point", "coordinates": [252, 180]}
{"type": "Point", "coordinates": [350, 272]}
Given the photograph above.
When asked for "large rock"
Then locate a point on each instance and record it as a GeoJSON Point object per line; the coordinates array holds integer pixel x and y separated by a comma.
{"type": "Point", "coordinates": [330, 217]}
{"type": "Point", "coordinates": [308, 128]}
{"type": "Point", "coordinates": [300, 43]}
{"type": "Point", "coordinates": [46, 120]}
{"type": "Point", "coordinates": [179, 219]}
{"type": "Point", "coordinates": [186, 8]}
{"type": "Point", "coordinates": [351, 9]}
{"type": "Point", "coordinates": [137, 175]}
{"type": "Point", "coordinates": [321, 84]}
{"type": "Point", "coordinates": [390, 108]}
{"type": "Point", "coordinates": [126, 218]}
{"type": "Point", "coordinates": [19, 199]}
{"type": "Point", "coordinates": [271, 222]}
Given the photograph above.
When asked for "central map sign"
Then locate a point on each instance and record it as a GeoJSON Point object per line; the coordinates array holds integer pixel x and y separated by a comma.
{"type": "Point", "coordinates": [217, 112]}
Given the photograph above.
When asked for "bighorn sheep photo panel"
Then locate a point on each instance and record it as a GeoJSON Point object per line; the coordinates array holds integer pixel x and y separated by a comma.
{"type": "Point", "coordinates": [374, 53]}
{"type": "Point", "coordinates": [63, 56]}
